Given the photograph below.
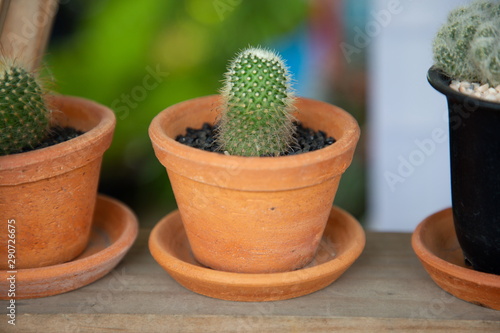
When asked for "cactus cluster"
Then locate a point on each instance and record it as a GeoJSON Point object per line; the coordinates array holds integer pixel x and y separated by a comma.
{"type": "Point", "coordinates": [467, 47]}
{"type": "Point", "coordinates": [24, 116]}
{"type": "Point", "coordinates": [256, 118]}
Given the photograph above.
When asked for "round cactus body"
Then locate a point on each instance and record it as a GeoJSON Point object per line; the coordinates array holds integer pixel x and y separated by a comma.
{"type": "Point", "coordinates": [24, 117]}
{"type": "Point", "coordinates": [467, 47]}
{"type": "Point", "coordinates": [256, 117]}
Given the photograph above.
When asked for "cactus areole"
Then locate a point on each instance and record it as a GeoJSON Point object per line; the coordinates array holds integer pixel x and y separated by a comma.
{"type": "Point", "coordinates": [467, 47]}
{"type": "Point", "coordinates": [258, 100]}
{"type": "Point", "coordinates": [24, 117]}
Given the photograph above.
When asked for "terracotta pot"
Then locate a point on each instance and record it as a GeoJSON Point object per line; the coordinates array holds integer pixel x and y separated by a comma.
{"type": "Point", "coordinates": [114, 230]}
{"type": "Point", "coordinates": [51, 193]}
{"type": "Point", "coordinates": [475, 178]}
{"type": "Point", "coordinates": [253, 214]}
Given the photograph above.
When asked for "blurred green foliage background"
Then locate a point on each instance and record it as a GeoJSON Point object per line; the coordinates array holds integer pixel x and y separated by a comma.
{"type": "Point", "coordinates": [138, 57]}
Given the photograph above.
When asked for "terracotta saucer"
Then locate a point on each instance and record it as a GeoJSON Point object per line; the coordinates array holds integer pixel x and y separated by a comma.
{"type": "Point", "coordinates": [113, 233]}
{"type": "Point", "coordinates": [436, 245]}
{"type": "Point", "coordinates": [342, 243]}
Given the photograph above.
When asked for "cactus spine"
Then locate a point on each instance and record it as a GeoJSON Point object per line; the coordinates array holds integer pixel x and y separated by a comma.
{"type": "Point", "coordinates": [467, 47]}
{"type": "Point", "coordinates": [256, 117]}
{"type": "Point", "coordinates": [24, 117]}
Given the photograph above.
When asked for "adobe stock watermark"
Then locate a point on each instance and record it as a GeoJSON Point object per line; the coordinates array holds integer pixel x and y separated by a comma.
{"type": "Point", "coordinates": [224, 7]}
{"type": "Point", "coordinates": [438, 307]}
{"type": "Point", "coordinates": [129, 101]}
{"type": "Point", "coordinates": [11, 272]}
{"type": "Point", "coordinates": [221, 178]}
{"type": "Point", "coordinates": [373, 28]}
{"type": "Point", "coordinates": [117, 281]}
{"type": "Point", "coordinates": [407, 165]}
{"type": "Point", "coordinates": [32, 25]}
{"type": "Point", "coordinates": [255, 318]}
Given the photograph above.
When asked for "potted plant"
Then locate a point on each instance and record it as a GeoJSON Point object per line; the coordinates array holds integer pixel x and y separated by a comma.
{"type": "Point", "coordinates": [467, 72]}
{"type": "Point", "coordinates": [245, 209]}
{"type": "Point", "coordinates": [47, 195]}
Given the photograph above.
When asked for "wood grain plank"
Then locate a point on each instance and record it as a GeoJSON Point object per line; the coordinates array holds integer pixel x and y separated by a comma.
{"type": "Point", "coordinates": [386, 289]}
{"type": "Point", "coordinates": [215, 324]}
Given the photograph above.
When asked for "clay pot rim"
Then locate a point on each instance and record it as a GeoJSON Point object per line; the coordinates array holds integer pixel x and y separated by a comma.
{"type": "Point", "coordinates": [441, 82]}
{"type": "Point", "coordinates": [25, 159]}
{"type": "Point", "coordinates": [99, 136]}
{"type": "Point", "coordinates": [340, 147]}
{"type": "Point", "coordinates": [428, 257]}
{"type": "Point", "coordinates": [353, 249]}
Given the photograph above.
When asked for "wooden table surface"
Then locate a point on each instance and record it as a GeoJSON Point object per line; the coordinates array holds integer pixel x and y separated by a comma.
{"type": "Point", "coordinates": [386, 289]}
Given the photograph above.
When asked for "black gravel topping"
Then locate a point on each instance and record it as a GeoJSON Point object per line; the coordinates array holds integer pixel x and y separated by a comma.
{"type": "Point", "coordinates": [306, 139]}
{"type": "Point", "coordinates": [57, 134]}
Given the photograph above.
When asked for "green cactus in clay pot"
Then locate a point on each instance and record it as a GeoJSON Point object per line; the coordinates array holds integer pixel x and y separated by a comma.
{"type": "Point", "coordinates": [256, 117]}
{"type": "Point", "coordinates": [24, 116]}
{"type": "Point", "coordinates": [467, 47]}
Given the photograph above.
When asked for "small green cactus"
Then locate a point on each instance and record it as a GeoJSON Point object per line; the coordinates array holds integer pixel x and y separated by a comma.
{"type": "Point", "coordinates": [24, 116]}
{"type": "Point", "coordinates": [467, 47]}
{"type": "Point", "coordinates": [256, 118]}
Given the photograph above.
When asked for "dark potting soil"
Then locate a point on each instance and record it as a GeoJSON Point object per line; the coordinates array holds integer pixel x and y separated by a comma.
{"type": "Point", "coordinates": [306, 140]}
{"type": "Point", "coordinates": [57, 134]}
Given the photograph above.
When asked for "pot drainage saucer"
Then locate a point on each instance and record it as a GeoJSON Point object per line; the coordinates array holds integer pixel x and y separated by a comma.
{"type": "Point", "coordinates": [342, 243]}
{"type": "Point", "coordinates": [436, 245]}
{"type": "Point", "coordinates": [114, 230]}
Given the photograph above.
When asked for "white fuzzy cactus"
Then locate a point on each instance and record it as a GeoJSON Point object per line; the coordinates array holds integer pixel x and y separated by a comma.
{"type": "Point", "coordinates": [467, 47]}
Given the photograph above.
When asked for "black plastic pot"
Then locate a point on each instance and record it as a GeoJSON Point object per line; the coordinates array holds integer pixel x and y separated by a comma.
{"type": "Point", "coordinates": [474, 127]}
